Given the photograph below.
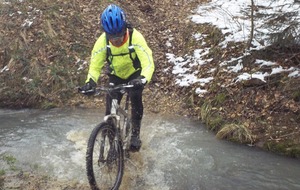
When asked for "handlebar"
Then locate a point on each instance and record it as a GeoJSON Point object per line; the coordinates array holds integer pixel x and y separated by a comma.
{"type": "Point", "coordinates": [108, 89]}
{"type": "Point", "coordinates": [120, 87]}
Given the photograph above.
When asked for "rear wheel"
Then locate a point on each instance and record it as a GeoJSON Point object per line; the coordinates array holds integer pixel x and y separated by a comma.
{"type": "Point", "coordinates": [104, 158]}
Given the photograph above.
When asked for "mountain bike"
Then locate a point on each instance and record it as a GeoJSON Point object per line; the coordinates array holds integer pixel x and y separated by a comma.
{"type": "Point", "coordinates": [109, 142]}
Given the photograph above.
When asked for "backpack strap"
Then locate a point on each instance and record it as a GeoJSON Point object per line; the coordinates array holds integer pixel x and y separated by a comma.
{"type": "Point", "coordinates": [136, 62]}
{"type": "Point", "coordinates": [108, 50]}
{"type": "Point", "coordinates": [130, 47]}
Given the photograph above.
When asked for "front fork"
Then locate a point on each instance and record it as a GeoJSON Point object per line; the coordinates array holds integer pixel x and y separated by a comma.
{"type": "Point", "coordinates": [107, 152]}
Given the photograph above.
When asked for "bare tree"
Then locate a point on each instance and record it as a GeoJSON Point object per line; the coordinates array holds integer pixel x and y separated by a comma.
{"type": "Point", "coordinates": [252, 25]}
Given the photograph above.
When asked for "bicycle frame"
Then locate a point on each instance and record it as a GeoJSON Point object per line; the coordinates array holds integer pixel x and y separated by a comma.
{"type": "Point", "coordinates": [109, 142]}
{"type": "Point", "coordinates": [115, 116]}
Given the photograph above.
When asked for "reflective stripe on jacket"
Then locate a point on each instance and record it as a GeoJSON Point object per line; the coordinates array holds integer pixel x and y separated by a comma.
{"type": "Point", "coordinates": [122, 65]}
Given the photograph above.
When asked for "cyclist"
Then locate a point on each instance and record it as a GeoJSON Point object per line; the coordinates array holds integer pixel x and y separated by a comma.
{"type": "Point", "coordinates": [129, 60]}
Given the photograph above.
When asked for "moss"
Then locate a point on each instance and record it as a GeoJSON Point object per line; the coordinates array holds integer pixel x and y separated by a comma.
{"type": "Point", "coordinates": [287, 148]}
{"type": "Point", "coordinates": [214, 87]}
{"type": "Point", "coordinates": [294, 151]}
{"type": "Point", "coordinates": [220, 99]}
{"type": "Point", "coordinates": [215, 35]}
{"type": "Point", "coordinates": [214, 121]}
{"type": "Point", "coordinates": [48, 105]}
{"type": "Point", "coordinates": [215, 52]}
{"type": "Point", "coordinates": [1, 182]}
{"type": "Point", "coordinates": [296, 96]}
{"type": "Point", "coordinates": [2, 172]}
{"type": "Point", "coordinates": [10, 160]}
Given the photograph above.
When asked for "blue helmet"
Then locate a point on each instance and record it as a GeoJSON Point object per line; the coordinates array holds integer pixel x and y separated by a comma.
{"type": "Point", "coordinates": [113, 20]}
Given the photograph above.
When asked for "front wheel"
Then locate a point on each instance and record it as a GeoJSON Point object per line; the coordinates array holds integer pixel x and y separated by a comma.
{"type": "Point", "coordinates": [104, 158]}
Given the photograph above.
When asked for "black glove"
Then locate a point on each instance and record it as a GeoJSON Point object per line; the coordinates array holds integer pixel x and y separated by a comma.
{"type": "Point", "coordinates": [138, 82]}
{"type": "Point", "coordinates": [88, 88]}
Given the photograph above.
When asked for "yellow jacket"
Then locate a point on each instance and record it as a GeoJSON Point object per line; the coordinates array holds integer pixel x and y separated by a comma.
{"type": "Point", "coordinates": [122, 66]}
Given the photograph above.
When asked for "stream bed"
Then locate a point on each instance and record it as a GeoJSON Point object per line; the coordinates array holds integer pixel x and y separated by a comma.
{"type": "Point", "coordinates": [177, 153]}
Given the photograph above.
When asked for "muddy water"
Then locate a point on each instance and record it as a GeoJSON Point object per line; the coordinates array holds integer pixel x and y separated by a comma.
{"type": "Point", "coordinates": [177, 153]}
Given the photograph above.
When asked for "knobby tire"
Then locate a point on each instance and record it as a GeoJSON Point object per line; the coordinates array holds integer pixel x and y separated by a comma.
{"type": "Point", "coordinates": [104, 158]}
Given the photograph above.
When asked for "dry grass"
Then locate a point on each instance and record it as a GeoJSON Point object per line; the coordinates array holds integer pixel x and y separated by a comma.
{"type": "Point", "coordinates": [205, 112]}
{"type": "Point", "coordinates": [236, 132]}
